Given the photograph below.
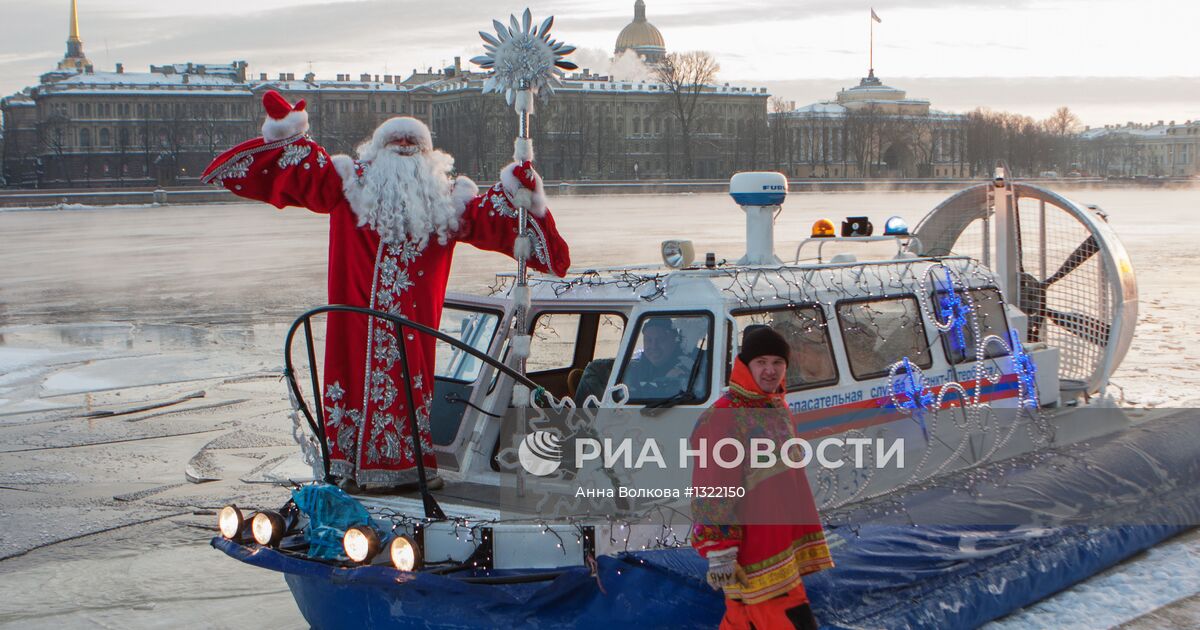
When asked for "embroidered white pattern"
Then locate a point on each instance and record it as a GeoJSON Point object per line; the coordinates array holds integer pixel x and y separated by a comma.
{"type": "Point", "coordinates": [500, 203]}
{"type": "Point", "coordinates": [406, 252]}
{"type": "Point", "coordinates": [237, 170]}
{"type": "Point", "coordinates": [219, 174]}
{"type": "Point", "coordinates": [389, 438]}
{"type": "Point", "coordinates": [294, 154]}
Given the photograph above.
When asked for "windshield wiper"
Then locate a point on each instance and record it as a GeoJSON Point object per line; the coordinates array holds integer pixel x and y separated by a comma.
{"type": "Point", "coordinates": [681, 397]}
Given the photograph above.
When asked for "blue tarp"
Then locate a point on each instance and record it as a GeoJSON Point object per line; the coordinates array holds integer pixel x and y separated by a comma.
{"type": "Point", "coordinates": [330, 512]}
{"type": "Point", "coordinates": [888, 575]}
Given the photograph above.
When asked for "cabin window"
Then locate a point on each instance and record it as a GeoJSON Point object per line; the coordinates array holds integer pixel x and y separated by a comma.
{"type": "Point", "coordinates": [989, 311]}
{"type": "Point", "coordinates": [879, 332]}
{"type": "Point", "coordinates": [572, 353]}
{"type": "Point", "coordinates": [476, 329]}
{"type": "Point", "coordinates": [669, 359]}
{"type": "Point", "coordinates": [553, 344]}
{"type": "Point", "coordinates": [811, 363]}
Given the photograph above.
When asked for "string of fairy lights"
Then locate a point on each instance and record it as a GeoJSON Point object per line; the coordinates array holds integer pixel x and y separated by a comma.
{"type": "Point", "coordinates": [620, 529]}
{"type": "Point", "coordinates": [950, 296]}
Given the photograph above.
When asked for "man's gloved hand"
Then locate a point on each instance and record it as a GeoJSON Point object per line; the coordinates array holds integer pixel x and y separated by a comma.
{"type": "Point", "coordinates": [723, 569]}
{"type": "Point", "coordinates": [283, 119]}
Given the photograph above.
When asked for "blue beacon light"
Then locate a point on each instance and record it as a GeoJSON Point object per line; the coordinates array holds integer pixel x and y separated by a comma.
{"type": "Point", "coordinates": [895, 226]}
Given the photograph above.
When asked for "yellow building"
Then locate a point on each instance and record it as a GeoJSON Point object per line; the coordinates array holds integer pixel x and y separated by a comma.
{"type": "Point", "coordinates": [1141, 150]}
{"type": "Point", "coordinates": [869, 130]}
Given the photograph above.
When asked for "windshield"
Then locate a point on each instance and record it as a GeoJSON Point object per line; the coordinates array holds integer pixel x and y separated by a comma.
{"type": "Point", "coordinates": [472, 327]}
{"type": "Point", "coordinates": [670, 357]}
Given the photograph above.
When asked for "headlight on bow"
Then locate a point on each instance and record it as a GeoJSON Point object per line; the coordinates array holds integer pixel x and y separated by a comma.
{"type": "Point", "coordinates": [268, 528]}
{"type": "Point", "coordinates": [361, 543]}
{"type": "Point", "coordinates": [406, 554]}
{"type": "Point", "coordinates": [230, 521]}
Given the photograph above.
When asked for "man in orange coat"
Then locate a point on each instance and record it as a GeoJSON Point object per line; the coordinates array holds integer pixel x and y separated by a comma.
{"type": "Point", "coordinates": [758, 546]}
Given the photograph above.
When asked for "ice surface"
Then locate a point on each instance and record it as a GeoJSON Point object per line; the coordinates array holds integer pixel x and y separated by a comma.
{"type": "Point", "coordinates": [1164, 574]}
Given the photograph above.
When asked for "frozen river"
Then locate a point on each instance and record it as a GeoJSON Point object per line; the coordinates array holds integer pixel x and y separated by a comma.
{"type": "Point", "coordinates": [139, 348]}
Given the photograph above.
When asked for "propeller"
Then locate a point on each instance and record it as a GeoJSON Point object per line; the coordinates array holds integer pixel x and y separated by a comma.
{"type": "Point", "coordinates": [1033, 300]}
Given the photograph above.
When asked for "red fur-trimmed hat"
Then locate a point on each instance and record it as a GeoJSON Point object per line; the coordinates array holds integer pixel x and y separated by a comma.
{"type": "Point", "coordinates": [277, 107]}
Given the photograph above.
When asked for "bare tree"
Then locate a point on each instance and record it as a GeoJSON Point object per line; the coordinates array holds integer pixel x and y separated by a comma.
{"type": "Point", "coordinates": [53, 134]}
{"type": "Point", "coordinates": [209, 125]}
{"type": "Point", "coordinates": [863, 129]}
{"type": "Point", "coordinates": [1063, 122]}
{"type": "Point", "coordinates": [1063, 126]}
{"type": "Point", "coordinates": [685, 75]}
{"type": "Point", "coordinates": [780, 131]}
{"type": "Point", "coordinates": [920, 135]}
{"type": "Point", "coordinates": [122, 143]}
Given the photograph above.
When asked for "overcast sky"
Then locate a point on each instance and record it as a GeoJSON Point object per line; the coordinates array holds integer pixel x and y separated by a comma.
{"type": "Point", "coordinates": [1109, 60]}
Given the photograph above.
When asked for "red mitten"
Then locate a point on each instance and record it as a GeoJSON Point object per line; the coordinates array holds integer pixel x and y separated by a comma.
{"type": "Point", "coordinates": [524, 187]}
{"type": "Point", "coordinates": [529, 177]}
{"type": "Point", "coordinates": [283, 120]}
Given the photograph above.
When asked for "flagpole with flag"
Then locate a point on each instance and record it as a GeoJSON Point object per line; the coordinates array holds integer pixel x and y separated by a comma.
{"type": "Point", "coordinates": [874, 19]}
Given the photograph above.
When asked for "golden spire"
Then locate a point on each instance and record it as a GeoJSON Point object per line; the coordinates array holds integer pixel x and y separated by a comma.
{"type": "Point", "coordinates": [74, 59]}
{"type": "Point", "coordinates": [74, 36]}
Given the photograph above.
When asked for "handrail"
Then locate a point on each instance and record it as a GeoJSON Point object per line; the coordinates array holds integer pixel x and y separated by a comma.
{"type": "Point", "coordinates": [431, 508]}
{"type": "Point", "coordinates": [902, 241]}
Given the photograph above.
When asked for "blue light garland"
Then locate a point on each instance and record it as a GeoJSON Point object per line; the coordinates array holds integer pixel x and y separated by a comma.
{"type": "Point", "coordinates": [1025, 369]}
{"type": "Point", "coordinates": [951, 304]}
{"type": "Point", "coordinates": [911, 393]}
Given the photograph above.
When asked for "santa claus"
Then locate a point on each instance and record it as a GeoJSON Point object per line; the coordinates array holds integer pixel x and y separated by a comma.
{"type": "Point", "coordinates": [395, 215]}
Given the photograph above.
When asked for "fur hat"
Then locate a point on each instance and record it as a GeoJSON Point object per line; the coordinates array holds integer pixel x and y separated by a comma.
{"type": "Point", "coordinates": [761, 340]}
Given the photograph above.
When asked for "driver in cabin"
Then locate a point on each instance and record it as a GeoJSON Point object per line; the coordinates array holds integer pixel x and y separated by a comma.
{"type": "Point", "coordinates": [663, 368]}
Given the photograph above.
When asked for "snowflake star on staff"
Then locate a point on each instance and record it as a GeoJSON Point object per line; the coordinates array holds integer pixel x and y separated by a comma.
{"type": "Point", "coordinates": [523, 59]}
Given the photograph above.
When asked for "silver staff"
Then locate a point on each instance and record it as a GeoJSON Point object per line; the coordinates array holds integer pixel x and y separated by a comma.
{"type": "Point", "coordinates": [524, 63]}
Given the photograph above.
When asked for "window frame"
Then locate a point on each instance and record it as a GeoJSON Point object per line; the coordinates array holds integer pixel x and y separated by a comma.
{"type": "Point", "coordinates": [637, 330]}
{"type": "Point", "coordinates": [500, 315]}
{"type": "Point", "coordinates": [936, 304]}
{"type": "Point", "coordinates": [837, 372]}
{"type": "Point", "coordinates": [881, 298]}
{"type": "Point", "coordinates": [575, 353]}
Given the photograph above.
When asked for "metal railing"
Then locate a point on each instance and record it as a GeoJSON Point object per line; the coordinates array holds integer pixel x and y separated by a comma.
{"type": "Point", "coordinates": [317, 423]}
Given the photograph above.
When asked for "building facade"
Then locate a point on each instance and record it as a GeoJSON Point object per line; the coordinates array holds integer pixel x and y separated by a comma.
{"type": "Point", "coordinates": [1134, 150]}
{"type": "Point", "coordinates": [870, 130]}
{"type": "Point", "coordinates": [80, 127]}
{"type": "Point", "coordinates": [597, 128]}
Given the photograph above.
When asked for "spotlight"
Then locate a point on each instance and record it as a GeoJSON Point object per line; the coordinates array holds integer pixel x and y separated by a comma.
{"type": "Point", "coordinates": [678, 254]}
{"type": "Point", "coordinates": [268, 528]}
{"type": "Point", "coordinates": [230, 521]}
{"type": "Point", "coordinates": [857, 226]}
{"type": "Point", "coordinates": [361, 543]}
{"type": "Point", "coordinates": [406, 555]}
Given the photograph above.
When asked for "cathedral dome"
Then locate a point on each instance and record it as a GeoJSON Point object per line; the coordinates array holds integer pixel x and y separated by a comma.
{"type": "Point", "coordinates": [641, 36]}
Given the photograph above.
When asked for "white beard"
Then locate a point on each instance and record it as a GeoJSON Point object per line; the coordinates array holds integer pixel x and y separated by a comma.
{"type": "Point", "coordinates": [405, 197]}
